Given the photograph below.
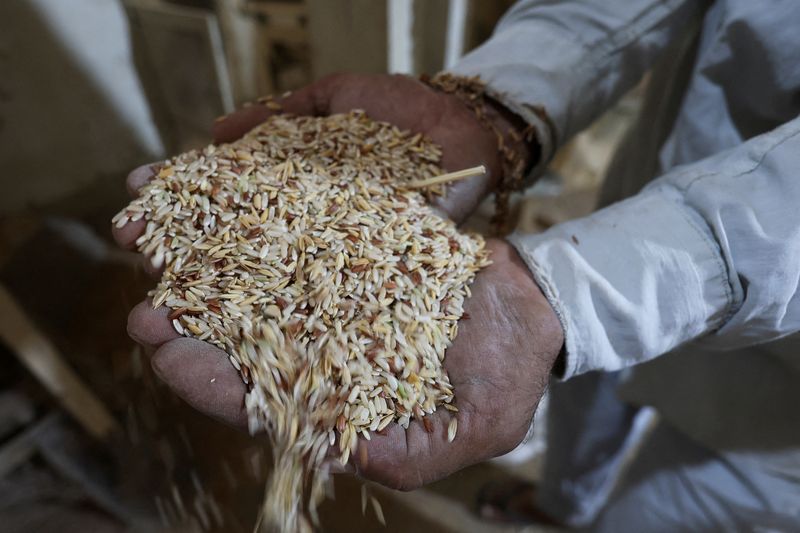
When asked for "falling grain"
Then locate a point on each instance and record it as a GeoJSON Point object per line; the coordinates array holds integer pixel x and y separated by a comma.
{"type": "Point", "coordinates": [301, 251]}
{"type": "Point", "coordinates": [376, 506]}
{"type": "Point", "coordinates": [451, 429]}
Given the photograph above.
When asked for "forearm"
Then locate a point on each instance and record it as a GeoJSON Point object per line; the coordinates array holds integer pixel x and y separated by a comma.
{"type": "Point", "coordinates": [710, 251]}
{"type": "Point", "coordinates": [559, 65]}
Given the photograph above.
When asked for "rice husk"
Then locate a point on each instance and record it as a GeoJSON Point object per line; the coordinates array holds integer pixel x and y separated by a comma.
{"type": "Point", "coordinates": [333, 288]}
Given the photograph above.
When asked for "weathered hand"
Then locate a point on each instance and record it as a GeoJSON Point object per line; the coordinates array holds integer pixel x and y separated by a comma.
{"type": "Point", "coordinates": [499, 366]}
{"type": "Point", "coordinates": [400, 100]}
{"type": "Point", "coordinates": [410, 105]}
{"type": "Point", "coordinates": [502, 356]}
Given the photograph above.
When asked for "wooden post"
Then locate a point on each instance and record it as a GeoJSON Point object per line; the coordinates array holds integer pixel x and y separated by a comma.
{"type": "Point", "coordinates": [430, 35]}
{"type": "Point", "coordinates": [183, 68]}
{"type": "Point", "coordinates": [241, 35]}
{"type": "Point", "coordinates": [35, 351]}
{"type": "Point", "coordinates": [347, 35]}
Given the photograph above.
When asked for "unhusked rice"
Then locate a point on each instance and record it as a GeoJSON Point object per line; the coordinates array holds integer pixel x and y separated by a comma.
{"type": "Point", "coordinates": [334, 288]}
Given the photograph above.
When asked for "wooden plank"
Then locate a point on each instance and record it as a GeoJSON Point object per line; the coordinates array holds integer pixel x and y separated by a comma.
{"type": "Point", "coordinates": [347, 35]}
{"type": "Point", "coordinates": [430, 35]}
{"type": "Point", "coordinates": [182, 63]}
{"type": "Point", "coordinates": [457, 17]}
{"type": "Point", "coordinates": [35, 351]}
{"type": "Point", "coordinates": [400, 35]}
{"type": "Point", "coordinates": [16, 411]}
{"type": "Point", "coordinates": [285, 12]}
{"type": "Point", "coordinates": [240, 33]}
{"type": "Point", "coordinates": [65, 448]}
{"type": "Point", "coordinates": [22, 447]}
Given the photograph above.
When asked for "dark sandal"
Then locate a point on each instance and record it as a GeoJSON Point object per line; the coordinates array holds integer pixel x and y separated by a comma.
{"type": "Point", "coordinates": [511, 502]}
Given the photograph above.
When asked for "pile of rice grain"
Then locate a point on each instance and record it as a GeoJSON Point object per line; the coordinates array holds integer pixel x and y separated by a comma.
{"type": "Point", "coordinates": [334, 288]}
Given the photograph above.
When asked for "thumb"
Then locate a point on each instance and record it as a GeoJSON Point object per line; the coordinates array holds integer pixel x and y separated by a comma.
{"type": "Point", "coordinates": [202, 375]}
{"type": "Point", "coordinates": [305, 101]}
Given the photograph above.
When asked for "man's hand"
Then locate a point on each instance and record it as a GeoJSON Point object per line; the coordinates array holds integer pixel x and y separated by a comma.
{"type": "Point", "coordinates": [501, 359]}
{"type": "Point", "coordinates": [400, 100]}
{"type": "Point", "coordinates": [410, 105]}
{"type": "Point", "coordinates": [499, 366]}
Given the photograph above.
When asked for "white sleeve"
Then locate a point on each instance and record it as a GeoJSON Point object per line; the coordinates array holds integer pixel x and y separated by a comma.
{"type": "Point", "coordinates": [559, 65]}
{"type": "Point", "coordinates": [709, 250]}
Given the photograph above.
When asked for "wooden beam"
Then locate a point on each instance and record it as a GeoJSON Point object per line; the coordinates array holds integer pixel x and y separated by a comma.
{"type": "Point", "coordinates": [35, 351]}
{"type": "Point", "coordinates": [430, 35]}
{"type": "Point", "coordinates": [457, 17]}
{"type": "Point", "coordinates": [347, 35]}
{"type": "Point", "coordinates": [284, 11]}
{"type": "Point", "coordinates": [240, 34]}
{"type": "Point", "coordinates": [400, 27]}
{"type": "Point", "coordinates": [185, 100]}
{"type": "Point", "coordinates": [22, 447]}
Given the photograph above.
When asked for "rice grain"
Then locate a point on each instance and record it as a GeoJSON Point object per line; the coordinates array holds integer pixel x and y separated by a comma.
{"type": "Point", "coordinates": [334, 287]}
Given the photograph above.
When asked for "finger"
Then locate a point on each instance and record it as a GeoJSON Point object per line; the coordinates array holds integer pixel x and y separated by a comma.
{"type": "Point", "coordinates": [126, 235]}
{"type": "Point", "coordinates": [233, 126]}
{"type": "Point", "coordinates": [464, 196]}
{"type": "Point", "coordinates": [408, 459]}
{"type": "Point", "coordinates": [204, 378]}
{"type": "Point", "coordinates": [139, 176]}
{"type": "Point", "coordinates": [301, 102]}
{"type": "Point", "coordinates": [151, 327]}
{"type": "Point", "coordinates": [151, 270]}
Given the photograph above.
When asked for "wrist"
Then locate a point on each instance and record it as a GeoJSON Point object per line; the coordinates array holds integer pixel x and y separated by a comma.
{"type": "Point", "coordinates": [516, 133]}
{"type": "Point", "coordinates": [516, 145]}
{"type": "Point", "coordinates": [547, 332]}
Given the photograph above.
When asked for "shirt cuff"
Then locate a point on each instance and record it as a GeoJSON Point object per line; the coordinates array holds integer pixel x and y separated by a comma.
{"type": "Point", "coordinates": [630, 282]}
{"type": "Point", "coordinates": [513, 94]}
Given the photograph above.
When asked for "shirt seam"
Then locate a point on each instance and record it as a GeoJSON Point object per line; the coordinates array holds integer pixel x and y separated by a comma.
{"type": "Point", "coordinates": [756, 165]}
{"type": "Point", "coordinates": [551, 294]}
{"type": "Point", "coordinates": [599, 52]}
{"type": "Point", "coordinates": [634, 29]}
{"type": "Point", "coordinates": [722, 267]}
{"type": "Point", "coordinates": [714, 245]}
{"type": "Point", "coordinates": [596, 56]}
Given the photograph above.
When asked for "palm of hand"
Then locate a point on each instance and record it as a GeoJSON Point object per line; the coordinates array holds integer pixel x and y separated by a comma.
{"type": "Point", "coordinates": [498, 363]}
{"type": "Point", "coordinates": [408, 104]}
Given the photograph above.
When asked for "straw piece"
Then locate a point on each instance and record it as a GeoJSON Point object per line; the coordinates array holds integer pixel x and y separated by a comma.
{"type": "Point", "coordinates": [450, 176]}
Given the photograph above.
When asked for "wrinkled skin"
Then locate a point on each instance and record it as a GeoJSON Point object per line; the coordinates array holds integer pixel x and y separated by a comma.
{"type": "Point", "coordinates": [498, 364]}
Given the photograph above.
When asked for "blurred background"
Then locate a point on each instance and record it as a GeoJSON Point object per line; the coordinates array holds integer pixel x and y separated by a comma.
{"type": "Point", "coordinates": [89, 89]}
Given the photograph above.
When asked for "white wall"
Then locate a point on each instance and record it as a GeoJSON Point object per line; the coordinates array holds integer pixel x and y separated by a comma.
{"type": "Point", "coordinates": [71, 108]}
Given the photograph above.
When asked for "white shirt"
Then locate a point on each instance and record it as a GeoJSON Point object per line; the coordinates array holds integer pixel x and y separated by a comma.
{"type": "Point", "coordinates": [708, 251]}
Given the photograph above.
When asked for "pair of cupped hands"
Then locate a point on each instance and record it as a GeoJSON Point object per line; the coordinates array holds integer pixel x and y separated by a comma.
{"type": "Point", "coordinates": [500, 361]}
